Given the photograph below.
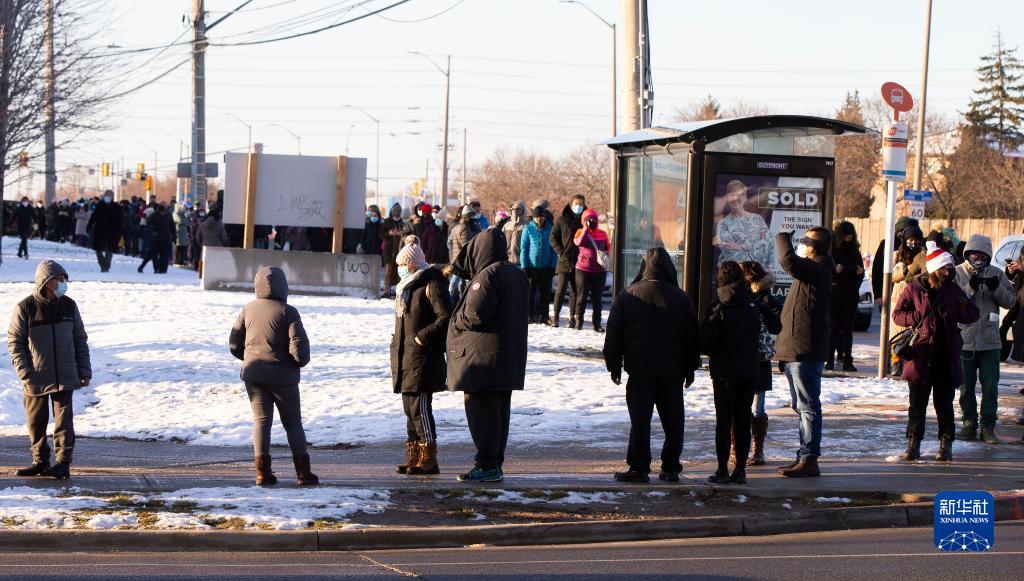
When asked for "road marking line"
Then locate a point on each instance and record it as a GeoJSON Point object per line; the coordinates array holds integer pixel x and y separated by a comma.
{"type": "Point", "coordinates": [392, 568]}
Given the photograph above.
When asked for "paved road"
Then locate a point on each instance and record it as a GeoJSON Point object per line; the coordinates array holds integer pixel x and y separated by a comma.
{"type": "Point", "coordinates": [866, 554]}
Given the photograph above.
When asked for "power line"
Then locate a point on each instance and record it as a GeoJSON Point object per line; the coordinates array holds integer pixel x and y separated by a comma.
{"type": "Point", "coordinates": [314, 31]}
{"type": "Point", "coordinates": [425, 18]}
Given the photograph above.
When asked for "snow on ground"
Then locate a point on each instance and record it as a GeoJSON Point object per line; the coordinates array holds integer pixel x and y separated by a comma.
{"type": "Point", "coordinates": [192, 508]}
{"type": "Point", "coordinates": [162, 369]}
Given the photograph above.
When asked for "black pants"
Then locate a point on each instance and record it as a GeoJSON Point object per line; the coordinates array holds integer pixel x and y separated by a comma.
{"type": "Point", "coordinates": [643, 394]}
{"type": "Point", "coordinates": [263, 399]}
{"type": "Point", "coordinates": [487, 413]}
{"type": "Point", "coordinates": [732, 406]}
{"type": "Point", "coordinates": [589, 284]}
{"type": "Point", "coordinates": [565, 279]}
{"type": "Point", "coordinates": [540, 292]}
{"type": "Point", "coordinates": [180, 254]}
{"type": "Point", "coordinates": [841, 330]}
{"type": "Point", "coordinates": [104, 257]}
{"type": "Point", "coordinates": [942, 392]}
{"type": "Point", "coordinates": [158, 253]}
{"type": "Point", "coordinates": [419, 417]}
{"type": "Point", "coordinates": [37, 415]}
{"type": "Point", "coordinates": [23, 246]}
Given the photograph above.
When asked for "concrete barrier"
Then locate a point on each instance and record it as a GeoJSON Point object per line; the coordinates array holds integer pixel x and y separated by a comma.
{"type": "Point", "coordinates": [317, 273]}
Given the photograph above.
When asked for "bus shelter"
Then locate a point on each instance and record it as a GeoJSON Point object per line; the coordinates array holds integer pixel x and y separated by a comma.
{"type": "Point", "coordinates": [718, 190]}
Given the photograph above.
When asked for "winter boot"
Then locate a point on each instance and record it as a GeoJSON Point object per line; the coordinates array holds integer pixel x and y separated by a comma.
{"type": "Point", "coordinates": [789, 466]}
{"type": "Point", "coordinates": [427, 463]}
{"type": "Point", "coordinates": [60, 471]}
{"type": "Point", "coordinates": [598, 328]}
{"type": "Point", "coordinates": [732, 445]}
{"type": "Point", "coordinates": [848, 365]}
{"type": "Point", "coordinates": [739, 475]}
{"type": "Point", "coordinates": [554, 321]}
{"type": "Point", "coordinates": [988, 435]}
{"type": "Point", "coordinates": [304, 477]}
{"type": "Point", "coordinates": [572, 322]}
{"type": "Point", "coordinates": [633, 475]}
{"type": "Point", "coordinates": [759, 430]}
{"type": "Point", "coordinates": [830, 364]}
{"type": "Point", "coordinates": [945, 453]}
{"type": "Point", "coordinates": [721, 476]}
{"type": "Point", "coordinates": [808, 467]}
{"type": "Point", "coordinates": [412, 457]}
{"type": "Point", "coordinates": [969, 431]}
{"type": "Point", "coordinates": [36, 469]}
{"type": "Point", "coordinates": [264, 476]}
{"type": "Point", "coordinates": [913, 451]}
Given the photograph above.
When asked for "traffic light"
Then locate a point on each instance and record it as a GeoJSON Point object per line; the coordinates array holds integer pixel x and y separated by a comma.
{"type": "Point", "coordinates": [106, 170]}
{"type": "Point", "coordinates": [149, 183]}
{"type": "Point", "coordinates": [416, 189]}
{"type": "Point", "coordinates": [141, 170]}
{"type": "Point", "coordinates": [23, 159]}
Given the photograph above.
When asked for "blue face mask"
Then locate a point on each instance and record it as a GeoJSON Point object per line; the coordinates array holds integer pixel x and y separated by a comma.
{"type": "Point", "coordinates": [62, 288]}
{"type": "Point", "coordinates": [374, 219]}
{"type": "Point", "coordinates": [576, 209]}
{"type": "Point", "coordinates": [403, 271]}
{"type": "Point", "coordinates": [438, 221]}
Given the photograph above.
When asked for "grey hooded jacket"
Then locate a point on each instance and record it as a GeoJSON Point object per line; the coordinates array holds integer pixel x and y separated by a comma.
{"type": "Point", "coordinates": [983, 335]}
{"type": "Point", "coordinates": [268, 336]}
{"type": "Point", "coordinates": [47, 341]}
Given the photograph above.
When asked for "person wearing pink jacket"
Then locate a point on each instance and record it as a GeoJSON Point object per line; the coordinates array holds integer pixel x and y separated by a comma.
{"type": "Point", "coordinates": [590, 273]}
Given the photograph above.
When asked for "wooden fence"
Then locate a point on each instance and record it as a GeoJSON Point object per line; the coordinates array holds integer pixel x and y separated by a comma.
{"type": "Point", "coordinates": [871, 230]}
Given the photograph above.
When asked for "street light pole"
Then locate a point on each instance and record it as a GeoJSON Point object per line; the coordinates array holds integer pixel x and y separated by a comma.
{"type": "Point", "coordinates": [292, 133]}
{"type": "Point", "coordinates": [247, 126]}
{"type": "Point", "coordinates": [444, 147]}
{"type": "Point", "coordinates": [615, 105]}
{"type": "Point", "coordinates": [919, 162]}
{"type": "Point", "coordinates": [377, 121]}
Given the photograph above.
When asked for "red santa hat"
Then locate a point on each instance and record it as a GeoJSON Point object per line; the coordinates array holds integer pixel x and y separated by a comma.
{"type": "Point", "coordinates": [937, 257]}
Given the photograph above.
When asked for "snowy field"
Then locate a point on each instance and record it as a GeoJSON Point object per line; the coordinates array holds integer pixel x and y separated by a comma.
{"type": "Point", "coordinates": [162, 370]}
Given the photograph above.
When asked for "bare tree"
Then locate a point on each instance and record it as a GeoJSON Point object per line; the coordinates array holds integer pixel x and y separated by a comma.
{"type": "Point", "coordinates": [857, 158]}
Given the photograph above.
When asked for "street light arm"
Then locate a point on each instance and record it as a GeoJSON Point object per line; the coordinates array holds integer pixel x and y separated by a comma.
{"type": "Point", "coordinates": [590, 10]}
{"type": "Point", "coordinates": [436, 66]}
{"type": "Point", "coordinates": [363, 111]}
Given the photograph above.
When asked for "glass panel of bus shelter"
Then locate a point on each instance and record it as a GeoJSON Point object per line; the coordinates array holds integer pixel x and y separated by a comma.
{"type": "Point", "coordinates": [655, 213]}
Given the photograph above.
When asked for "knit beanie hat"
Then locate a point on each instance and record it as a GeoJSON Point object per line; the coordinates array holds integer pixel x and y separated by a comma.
{"type": "Point", "coordinates": [468, 210]}
{"type": "Point", "coordinates": [411, 254]}
{"type": "Point", "coordinates": [937, 257]}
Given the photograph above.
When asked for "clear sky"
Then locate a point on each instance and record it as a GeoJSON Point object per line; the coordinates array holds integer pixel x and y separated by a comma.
{"type": "Point", "coordinates": [524, 73]}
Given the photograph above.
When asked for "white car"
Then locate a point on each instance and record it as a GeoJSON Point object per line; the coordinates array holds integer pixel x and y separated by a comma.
{"type": "Point", "coordinates": [1009, 249]}
{"type": "Point", "coordinates": [865, 306]}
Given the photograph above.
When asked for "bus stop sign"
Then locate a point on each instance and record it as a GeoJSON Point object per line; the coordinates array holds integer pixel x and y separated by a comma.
{"type": "Point", "coordinates": [897, 97]}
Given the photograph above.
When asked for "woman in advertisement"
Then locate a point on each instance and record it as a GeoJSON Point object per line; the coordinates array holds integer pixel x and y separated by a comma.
{"type": "Point", "coordinates": [742, 235]}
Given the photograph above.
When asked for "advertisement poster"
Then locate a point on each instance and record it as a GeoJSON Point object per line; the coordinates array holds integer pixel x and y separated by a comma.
{"type": "Point", "coordinates": [751, 209]}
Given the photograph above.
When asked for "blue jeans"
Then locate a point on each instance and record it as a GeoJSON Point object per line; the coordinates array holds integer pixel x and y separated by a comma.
{"type": "Point", "coordinates": [805, 393]}
{"type": "Point", "coordinates": [455, 287]}
{"type": "Point", "coordinates": [759, 404]}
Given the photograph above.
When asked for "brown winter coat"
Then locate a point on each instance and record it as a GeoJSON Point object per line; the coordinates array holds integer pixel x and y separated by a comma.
{"type": "Point", "coordinates": [268, 335]}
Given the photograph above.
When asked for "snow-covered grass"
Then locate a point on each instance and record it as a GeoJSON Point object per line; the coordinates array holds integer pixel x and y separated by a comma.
{"type": "Point", "coordinates": [549, 496]}
{"type": "Point", "coordinates": [162, 370]}
{"type": "Point", "coordinates": [832, 500]}
{"type": "Point", "coordinates": [193, 508]}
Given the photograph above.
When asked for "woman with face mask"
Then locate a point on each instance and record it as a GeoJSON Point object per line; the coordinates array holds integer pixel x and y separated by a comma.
{"type": "Point", "coordinates": [908, 262]}
{"type": "Point", "coordinates": [418, 370]}
{"type": "Point", "coordinates": [372, 230]}
{"type": "Point", "coordinates": [538, 259]}
{"type": "Point", "coordinates": [935, 305]}
{"type": "Point", "coordinates": [589, 273]}
{"type": "Point", "coordinates": [391, 232]}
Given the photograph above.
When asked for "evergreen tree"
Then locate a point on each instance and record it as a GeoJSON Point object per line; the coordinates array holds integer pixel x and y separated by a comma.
{"type": "Point", "coordinates": [997, 113]}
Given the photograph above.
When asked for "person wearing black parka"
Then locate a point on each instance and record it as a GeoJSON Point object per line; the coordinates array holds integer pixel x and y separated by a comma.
{"type": "Point", "coordinates": [418, 370]}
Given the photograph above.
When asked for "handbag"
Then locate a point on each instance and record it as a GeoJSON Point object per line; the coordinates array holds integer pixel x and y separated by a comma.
{"type": "Point", "coordinates": [603, 259]}
{"type": "Point", "coordinates": [902, 344]}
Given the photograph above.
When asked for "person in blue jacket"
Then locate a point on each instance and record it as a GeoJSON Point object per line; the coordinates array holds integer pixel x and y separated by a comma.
{"type": "Point", "coordinates": [538, 260]}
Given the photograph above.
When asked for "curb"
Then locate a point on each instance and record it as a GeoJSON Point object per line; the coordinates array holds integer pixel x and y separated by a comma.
{"type": "Point", "coordinates": [1007, 508]}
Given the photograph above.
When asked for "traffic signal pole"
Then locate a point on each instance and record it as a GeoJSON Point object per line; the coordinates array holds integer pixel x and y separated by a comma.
{"type": "Point", "coordinates": [197, 187]}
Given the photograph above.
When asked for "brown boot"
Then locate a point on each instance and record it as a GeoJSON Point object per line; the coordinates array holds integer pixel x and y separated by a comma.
{"type": "Point", "coordinates": [428, 460]}
{"type": "Point", "coordinates": [807, 467]}
{"type": "Point", "coordinates": [412, 457]}
{"type": "Point", "coordinates": [304, 476]}
{"type": "Point", "coordinates": [759, 430]}
{"type": "Point", "coordinates": [732, 445]}
{"type": "Point", "coordinates": [264, 476]}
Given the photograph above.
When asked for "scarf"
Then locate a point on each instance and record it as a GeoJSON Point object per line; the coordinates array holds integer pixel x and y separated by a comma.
{"type": "Point", "coordinates": [404, 291]}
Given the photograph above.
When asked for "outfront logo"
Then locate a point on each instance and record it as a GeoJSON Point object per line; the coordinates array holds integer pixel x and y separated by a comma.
{"type": "Point", "coordinates": [964, 521]}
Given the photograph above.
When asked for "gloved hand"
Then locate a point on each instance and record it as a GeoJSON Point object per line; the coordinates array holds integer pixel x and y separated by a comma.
{"type": "Point", "coordinates": [448, 270]}
{"type": "Point", "coordinates": [616, 377]}
{"type": "Point", "coordinates": [975, 282]}
{"type": "Point", "coordinates": [689, 380]}
{"type": "Point", "coordinates": [992, 283]}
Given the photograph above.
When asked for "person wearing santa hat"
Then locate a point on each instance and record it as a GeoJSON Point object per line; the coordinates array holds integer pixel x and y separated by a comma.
{"type": "Point", "coordinates": [934, 305]}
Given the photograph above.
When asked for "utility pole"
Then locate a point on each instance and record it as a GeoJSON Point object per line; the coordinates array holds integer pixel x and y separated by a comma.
{"type": "Point", "coordinates": [49, 140]}
{"type": "Point", "coordinates": [919, 161]}
{"type": "Point", "coordinates": [198, 180]}
{"type": "Point", "coordinates": [444, 152]}
{"type": "Point", "coordinates": [462, 192]}
{"type": "Point", "coordinates": [6, 40]}
{"type": "Point", "coordinates": [629, 18]}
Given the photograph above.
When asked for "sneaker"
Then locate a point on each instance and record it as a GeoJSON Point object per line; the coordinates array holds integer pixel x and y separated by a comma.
{"type": "Point", "coordinates": [632, 476]}
{"type": "Point", "coordinates": [669, 476]}
{"type": "Point", "coordinates": [478, 474]}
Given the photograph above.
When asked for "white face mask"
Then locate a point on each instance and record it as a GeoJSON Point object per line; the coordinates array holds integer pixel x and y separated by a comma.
{"type": "Point", "coordinates": [24, 203]}
{"type": "Point", "coordinates": [802, 250]}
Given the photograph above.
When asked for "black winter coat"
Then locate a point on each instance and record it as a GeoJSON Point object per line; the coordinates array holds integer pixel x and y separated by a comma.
{"type": "Point", "coordinates": [562, 234]}
{"type": "Point", "coordinates": [805, 315]}
{"type": "Point", "coordinates": [846, 284]}
{"type": "Point", "coordinates": [729, 335]}
{"type": "Point", "coordinates": [23, 215]}
{"type": "Point", "coordinates": [420, 368]}
{"type": "Point", "coordinates": [652, 327]}
{"type": "Point", "coordinates": [106, 223]}
{"type": "Point", "coordinates": [161, 224]}
{"type": "Point", "coordinates": [488, 330]}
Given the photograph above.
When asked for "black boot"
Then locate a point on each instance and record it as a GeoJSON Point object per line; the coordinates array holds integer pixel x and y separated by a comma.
{"type": "Point", "coordinates": [988, 435]}
{"type": "Point", "coordinates": [913, 451]}
{"type": "Point", "coordinates": [721, 476]}
{"type": "Point", "coordinates": [945, 453]}
{"type": "Point", "coordinates": [632, 475]}
{"type": "Point", "coordinates": [739, 476]}
{"type": "Point", "coordinates": [969, 431]}
{"type": "Point", "coordinates": [848, 365]}
{"type": "Point", "coordinates": [572, 322]}
{"type": "Point", "coordinates": [60, 471]}
{"type": "Point", "coordinates": [36, 469]}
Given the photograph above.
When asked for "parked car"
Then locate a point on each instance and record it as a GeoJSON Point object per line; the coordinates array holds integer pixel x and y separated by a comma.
{"type": "Point", "coordinates": [865, 307]}
{"type": "Point", "coordinates": [1009, 249]}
